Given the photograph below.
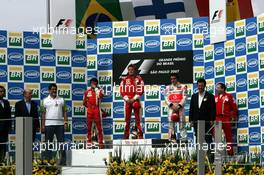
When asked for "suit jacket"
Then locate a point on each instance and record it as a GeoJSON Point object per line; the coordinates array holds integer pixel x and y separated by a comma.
{"type": "Point", "coordinates": [206, 112]}
{"type": "Point", "coordinates": [22, 111]}
{"type": "Point", "coordinates": [5, 126]}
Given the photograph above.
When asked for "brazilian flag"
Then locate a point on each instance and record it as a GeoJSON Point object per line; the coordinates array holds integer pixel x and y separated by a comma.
{"type": "Point", "coordinates": [89, 12]}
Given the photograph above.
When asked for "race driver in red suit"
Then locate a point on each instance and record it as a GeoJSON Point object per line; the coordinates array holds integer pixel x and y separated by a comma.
{"type": "Point", "coordinates": [92, 99]}
{"type": "Point", "coordinates": [131, 88]}
{"type": "Point", "coordinates": [226, 111]}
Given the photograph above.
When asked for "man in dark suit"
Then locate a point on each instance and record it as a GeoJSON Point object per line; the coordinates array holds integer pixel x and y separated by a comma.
{"type": "Point", "coordinates": [203, 107]}
{"type": "Point", "coordinates": [5, 122]}
{"type": "Point", "coordinates": [28, 108]}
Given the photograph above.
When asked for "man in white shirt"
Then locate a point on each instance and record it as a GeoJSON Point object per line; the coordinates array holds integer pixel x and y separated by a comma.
{"type": "Point", "coordinates": [54, 119]}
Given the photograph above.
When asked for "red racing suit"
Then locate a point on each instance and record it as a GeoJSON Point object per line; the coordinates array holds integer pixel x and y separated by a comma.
{"type": "Point", "coordinates": [132, 87]}
{"type": "Point", "coordinates": [226, 108]}
{"type": "Point", "coordinates": [92, 99]}
{"type": "Point", "coordinates": [175, 95]}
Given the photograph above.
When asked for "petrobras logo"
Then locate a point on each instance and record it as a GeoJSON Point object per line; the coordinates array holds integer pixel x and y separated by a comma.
{"type": "Point", "coordinates": [32, 74]}
{"type": "Point", "coordinates": [200, 24]}
{"type": "Point", "coordinates": [251, 26]}
{"type": "Point", "coordinates": [243, 119]}
{"type": "Point", "coordinates": [136, 28]}
{"type": "Point", "coordinates": [119, 109]}
{"type": "Point", "coordinates": [80, 125]}
{"type": "Point", "coordinates": [104, 30]}
{"type": "Point", "coordinates": [241, 82]}
{"type": "Point", "coordinates": [230, 66]}
{"type": "Point", "coordinates": [165, 125]}
{"type": "Point", "coordinates": [63, 75]}
{"type": "Point", "coordinates": [47, 58]}
{"type": "Point", "coordinates": [198, 58]}
{"type": "Point", "coordinates": [152, 44]}
{"type": "Point", "coordinates": [31, 40]}
{"type": "Point", "coordinates": [229, 31]}
{"type": "Point", "coordinates": [168, 27]}
{"type": "Point", "coordinates": [3, 73]}
{"type": "Point", "coordinates": [240, 47]}
{"type": "Point", "coordinates": [91, 46]}
{"type": "Point", "coordinates": [78, 92]}
{"type": "Point", "coordinates": [254, 99]}
{"type": "Point", "coordinates": [120, 45]}
{"type": "Point", "coordinates": [105, 62]}
{"type": "Point", "coordinates": [209, 70]}
{"type": "Point", "coordinates": [44, 91]}
{"type": "Point", "coordinates": [79, 59]}
{"type": "Point", "coordinates": [152, 109]}
{"type": "Point", "coordinates": [2, 38]}
{"type": "Point", "coordinates": [107, 126]}
{"type": "Point", "coordinates": [15, 56]}
{"type": "Point", "coordinates": [261, 42]}
{"type": "Point", "coordinates": [219, 51]}
{"type": "Point", "coordinates": [184, 42]}
{"type": "Point", "coordinates": [120, 28]}
{"type": "Point", "coordinates": [252, 63]}
{"type": "Point", "coordinates": [254, 136]}
{"type": "Point", "coordinates": [15, 91]}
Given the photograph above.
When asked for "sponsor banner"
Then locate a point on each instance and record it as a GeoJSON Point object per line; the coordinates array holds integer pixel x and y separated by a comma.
{"type": "Point", "coordinates": [78, 110]}
{"type": "Point", "coordinates": [91, 46]}
{"type": "Point", "coordinates": [262, 116]}
{"type": "Point", "coordinates": [165, 136]}
{"type": "Point", "coordinates": [63, 75]}
{"type": "Point", "coordinates": [44, 92]}
{"type": "Point", "coordinates": [261, 95]}
{"type": "Point", "coordinates": [152, 126]}
{"type": "Point", "coordinates": [261, 42]}
{"type": "Point", "coordinates": [107, 127]}
{"type": "Point", "coordinates": [251, 26]}
{"type": "Point", "coordinates": [77, 138]}
{"type": "Point", "coordinates": [104, 62]}
{"type": "Point", "coordinates": [241, 64]}
{"type": "Point", "coordinates": [118, 127]}
{"type": "Point", "coordinates": [78, 58]}
{"type": "Point", "coordinates": [242, 119]}
{"type": "Point", "coordinates": [206, 38]}
{"type": "Point", "coordinates": [167, 43]}
{"type": "Point", "coordinates": [136, 44]}
{"type": "Point", "coordinates": [107, 107]}
{"type": "Point", "coordinates": [15, 90]}
{"type": "Point", "coordinates": [152, 27]}
{"type": "Point", "coordinates": [230, 31]}
{"type": "Point", "coordinates": [65, 91]}
{"type": "Point", "coordinates": [79, 125]}
{"type": "Point", "coordinates": [242, 136]}
{"type": "Point", "coordinates": [46, 41]}
{"type": "Point", "coordinates": [120, 45]}
{"type": "Point", "coordinates": [260, 24]}
{"type": "Point", "coordinates": [68, 106]}
{"type": "Point", "coordinates": [15, 56]}
{"type": "Point", "coordinates": [184, 25]}
{"type": "Point", "coordinates": [230, 82]}
{"type": "Point", "coordinates": [254, 117]}
{"type": "Point", "coordinates": [184, 42]}
{"type": "Point", "coordinates": [261, 61]}
{"type": "Point", "coordinates": [209, 70]}
{"type": "Point", "coordinates": [118, 110]}
{"type": "Point", "coordinates": [104, 77]}
{"type": "Point", "coordinates": [48, 74]}
{"type": "Point", "coordinates": [252, 44]}
{"type": "Point", "coordinates": [230, 66]}
{"type": "Point", "coordinates": [210, 84]}
{"type": "Point", "coordinates": [91, 62]}
{"type": "Point", "coordinates": [160, 65]}
{"type": "Point", "coordinates": [117, 96]}
{"type": "Point", "coordinates": [253, 80]}
{"type": "Point", "coordinates": [136, 28]}
{"type": "Point", "coordinates": [167, 26]}
{"type": "Point", "coordinates": [262, 135]}
{"type": "Point", "coordinates": [120, 29]}
{"type": "Point", "coordinates": [3, 38]}
{"type": "Point", "coordinates": [241, 46]}
{"type": "Point", "coordinates": [47, 57]}
{"type": "Point", "coordinates": [252, 62]}
{"type": "Point", "coordinates": [16, 74]}
{"type": "Point", "coordinates": [31, 40]}
{"type": "Point", "coordinates": [81, 42]}
{"type": "Point", "coordinates": [219, 68]}
{"type": "Point", "coordinates": [164, 125]}
{"type": "Point", "coordinates": [208, 53]}
{"type": "Point", "coordinates": [254, 136]}
{"type": "Point", "coordinates": [152, 108]}
{"type": "Point", "coordinates": [78, 75]}
{"type": "Point", "coordinates": [104, 30]}
{"type": "Point", "coordinates": [164, 109]}
{"type": "Point", "coordinates": [3, 55]}
{"type": "Point", "coordinates": [104, 46]}
{"type": "Point", "coordinates": [152, 93]}
{"type": "Point", "coordinates": [198, 73]}
{"type": "Point", "coordinates": [198, 58]}
{"type": "Point", "coordinates": [198, 41]}
{"type": "Point", "coordinates": [31, 57]}
{"type": "Point", "coordinates": [241, 82]}
{"type": "Point", "coordinates": [242, 100]}
{"type": "Point", "coordinates": [32, 74]}
{"type": "Point", "coordinates": [152, 43]}
{"type": "Point", "coordinates": [78, 91]}
{"type": "Point", "coordinates": [200, 25]}
{"type": "Point", "coordinates": [253, 99]}
{"type": "Point", "coordinates": [240, 28]}
{"type": "Point", "coordinates": [63, 58]}
{"type": "Point", "coordinates": [35, 87]}
{"type": "Point", "coordinates": [219, 51]}
{"type": "Point", "coordinates": [229, 48]}
{"type": "Point", "coordinates": [261, 79]}
{"type": "Point", "coordinates": [3, 73]}
{"type": "Point", "coordinates": [15, 39]}
{"type": "Point", "coordinates": [12, 144]}
{"type": "Point", "coordinates": [255, 153]}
